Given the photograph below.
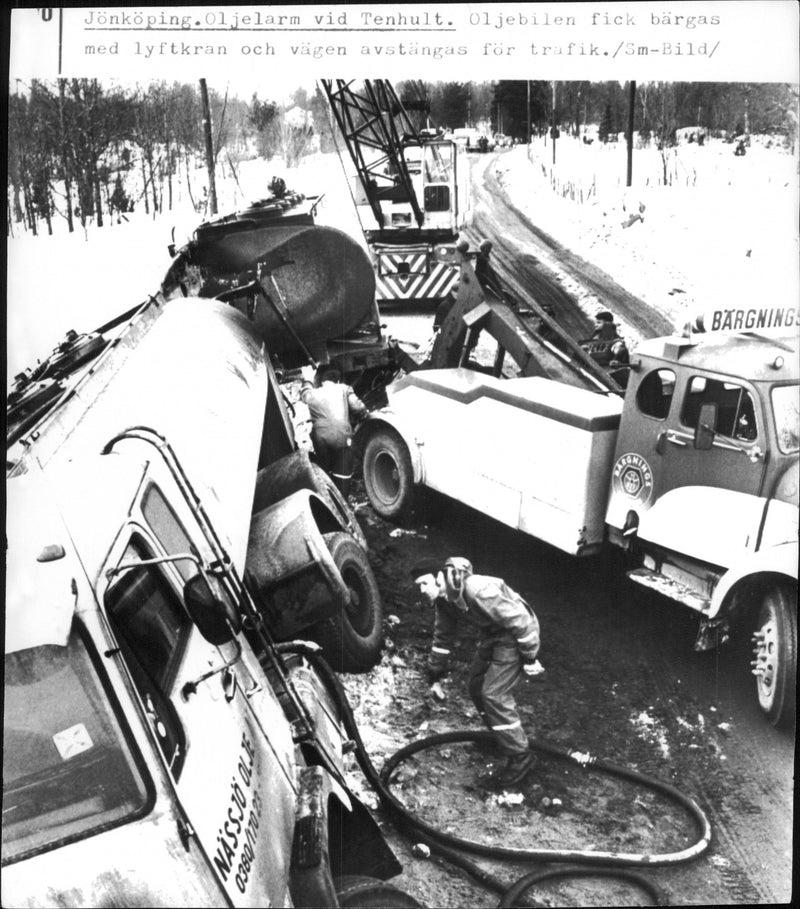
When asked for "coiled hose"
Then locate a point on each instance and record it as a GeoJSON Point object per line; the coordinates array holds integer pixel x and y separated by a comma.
{"type": "Point", "coordinates": [593, 863]}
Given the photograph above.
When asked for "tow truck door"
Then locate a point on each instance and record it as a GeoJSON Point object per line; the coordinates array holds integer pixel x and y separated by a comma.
{"type": "Point", "coordinates": [734, 456]}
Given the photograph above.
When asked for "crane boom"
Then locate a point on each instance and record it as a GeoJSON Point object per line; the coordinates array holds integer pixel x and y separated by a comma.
{"type": "Point", "coordinates": [414, 183]}
{"type": "Point", "coordinates": [374, 118]}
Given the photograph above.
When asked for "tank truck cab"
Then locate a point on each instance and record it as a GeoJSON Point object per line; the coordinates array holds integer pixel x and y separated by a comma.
{"type": "Point", "coordinates": [158, 748]}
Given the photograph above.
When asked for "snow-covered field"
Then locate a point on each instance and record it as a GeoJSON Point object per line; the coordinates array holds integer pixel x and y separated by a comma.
{"type": "Point", "coordinates": [726, 227]}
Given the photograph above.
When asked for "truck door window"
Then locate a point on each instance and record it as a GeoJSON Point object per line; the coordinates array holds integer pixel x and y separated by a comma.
{"type": "Point", "coordinates": [167, 529]}
{"type": "Point", "coordinates": [152, 628]}
{"type": "Point", "coordinates": [736, 415]}
{"type": "Point", "coordinates": [68, 765]}
{"type": "Point", "coordinates": [654, 394]}
{"type": "Point", "coordinates": [786, 410]}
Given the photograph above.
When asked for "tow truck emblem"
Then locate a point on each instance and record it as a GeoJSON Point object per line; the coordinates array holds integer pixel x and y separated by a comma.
{"type": "Point", "coordinates": [633, 477]}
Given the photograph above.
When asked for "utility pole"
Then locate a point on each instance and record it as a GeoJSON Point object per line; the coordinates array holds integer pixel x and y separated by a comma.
{"type": "Point", "coordinates": [631, 103]}
{"type": "Point", "coordinates": [528, 136]}
{"type": "Point", "coordinates": [553, 128]}
{"type": "Point", "coordinates": [212, 183]}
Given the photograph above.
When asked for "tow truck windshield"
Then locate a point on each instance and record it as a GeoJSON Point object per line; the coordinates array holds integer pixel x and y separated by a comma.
{"type": "Point", "coordinates": [68, 768]}
{"type": "Point", "coordinates": [786, 408]}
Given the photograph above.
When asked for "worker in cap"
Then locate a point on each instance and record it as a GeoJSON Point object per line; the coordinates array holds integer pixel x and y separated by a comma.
{"type": "Point", "coordinates": [333, 407]}
{"type": "Point", "coordinates": [508, 646]}
{"type": "Point", "coordinates": [605, 329]}
{"type": "Point", "coordinates": [484, 270]}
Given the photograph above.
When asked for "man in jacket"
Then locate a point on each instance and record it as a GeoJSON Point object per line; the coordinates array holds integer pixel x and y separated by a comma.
{"type": "Point", "coordinates": [508, 646]}
{"type": "Point", "coordinates": [332, 405]}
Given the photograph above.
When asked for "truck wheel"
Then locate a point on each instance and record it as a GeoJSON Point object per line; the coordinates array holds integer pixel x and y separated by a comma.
{"type": "Point", "coordinates": [353, 640]}
{"type": "Point", "coordinates": [388, 475]}
{"type": "Point", "coordinates": [775, 655]}
{"type": "Point", "coordinates": [355, 892]}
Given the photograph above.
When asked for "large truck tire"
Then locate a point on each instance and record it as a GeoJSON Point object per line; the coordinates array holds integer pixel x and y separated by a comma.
{"type": "Point", "coordinates": [353, 640]}
{"type": "Point", "coordinates": [388, 475]}
{"type": "Point", "coordinates": [775, 653]}
{"type": "Point", "coordinates": [357, 892]}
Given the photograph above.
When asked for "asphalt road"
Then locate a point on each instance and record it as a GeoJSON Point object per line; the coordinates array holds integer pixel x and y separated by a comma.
{"type": "Point", "coordinates": [608, 637]}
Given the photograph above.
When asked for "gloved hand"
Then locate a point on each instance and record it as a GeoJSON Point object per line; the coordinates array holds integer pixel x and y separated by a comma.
{"type": "Point", "coordinates": [532, 669]}
{"type": "Point", "coordinates": [307, 373]}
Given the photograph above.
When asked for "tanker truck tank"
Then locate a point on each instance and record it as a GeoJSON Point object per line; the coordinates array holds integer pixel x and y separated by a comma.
{"type": "Point", "coordinates": [302, 284]}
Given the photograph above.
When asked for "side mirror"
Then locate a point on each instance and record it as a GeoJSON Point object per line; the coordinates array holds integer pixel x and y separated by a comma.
{"type": "Point", "coordinates": [207, 611]}
{"type": "Point", "coordinates": [706, 427]}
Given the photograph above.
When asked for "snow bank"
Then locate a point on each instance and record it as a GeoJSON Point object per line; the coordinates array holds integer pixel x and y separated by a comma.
{"type": "Point", "coordinates": [720, 228]}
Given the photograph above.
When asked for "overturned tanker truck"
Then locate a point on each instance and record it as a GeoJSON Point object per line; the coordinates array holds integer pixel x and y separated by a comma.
{"type": "Point", "coordinates": [309, 290]}
{"type": "Point", "coordinates": [167, 740]}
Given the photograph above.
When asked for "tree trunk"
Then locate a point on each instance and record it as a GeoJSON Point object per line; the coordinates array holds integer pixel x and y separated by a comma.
{"type": "Point", "coordinates": [212, 183]}
{"type": "Point", "coordinates": [65, 156]}
{"type": "Point", "coordinates": [29, 209]}
{"type": "Point", "coordinates": [144, 188]}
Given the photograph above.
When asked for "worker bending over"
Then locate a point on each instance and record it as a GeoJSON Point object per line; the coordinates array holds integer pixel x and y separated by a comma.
{"type": "Point", "coordinates": [507, 648]}
{"type": "Point", "coordinates": [333, 406]}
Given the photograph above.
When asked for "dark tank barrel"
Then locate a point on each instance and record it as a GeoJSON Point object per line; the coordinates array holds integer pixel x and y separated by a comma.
{"type": "Point", "coordinates": [317, 278]}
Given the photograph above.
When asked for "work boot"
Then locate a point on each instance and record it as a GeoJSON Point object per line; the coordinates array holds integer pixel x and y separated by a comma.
{"type": "Point", "coordinates": [486, 748]}
{"type": "Point", "coordinates": [512, 773]}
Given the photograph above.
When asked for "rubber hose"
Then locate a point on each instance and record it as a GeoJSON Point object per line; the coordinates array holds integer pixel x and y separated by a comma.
{"type": "Point", "coordinates": [447, 845]}
{"type": "Point", "coordinates": [587, 856]}
{"type": "Point", "coordinates": [512, 896]}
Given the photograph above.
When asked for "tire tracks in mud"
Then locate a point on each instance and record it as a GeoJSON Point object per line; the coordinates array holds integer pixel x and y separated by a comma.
{"type": "Point", "coordinates": [498, 219]}
{"type": "Point", "coordinates": [724, 780]}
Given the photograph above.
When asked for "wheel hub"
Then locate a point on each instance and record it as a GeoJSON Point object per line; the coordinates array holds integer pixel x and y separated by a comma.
{"type": "Point", "coordinates": [764, 663]}
{"type": "Point", "coordinates": [388, 476]}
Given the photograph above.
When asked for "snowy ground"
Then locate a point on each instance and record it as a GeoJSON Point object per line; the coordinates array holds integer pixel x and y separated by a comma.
{"type": "Point", "coordinates": [724, 226]}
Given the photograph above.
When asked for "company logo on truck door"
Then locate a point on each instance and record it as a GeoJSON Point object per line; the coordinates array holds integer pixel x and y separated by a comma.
{"type": "Point", "coordinates": [237, 836]}
{"type": "Point", "coordinates": [632, 477]}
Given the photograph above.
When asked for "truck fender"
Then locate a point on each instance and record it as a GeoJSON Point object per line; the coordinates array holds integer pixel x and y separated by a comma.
{"type": "Point", "coordinates": [387, 418]}
{"type": "Point", "coordinates": [289, 568]}
{"type": "Point", "coordinates": [774, 560]}
{"type": "Point", "coordinates": [297, 471]}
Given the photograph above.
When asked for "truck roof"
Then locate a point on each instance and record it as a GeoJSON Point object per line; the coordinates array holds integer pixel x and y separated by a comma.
{"type": "Point", "coordinates": [746, 354]}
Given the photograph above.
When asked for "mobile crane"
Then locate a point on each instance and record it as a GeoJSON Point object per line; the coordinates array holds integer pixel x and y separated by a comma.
{"type": "Point", "coordinates": [411, 185]}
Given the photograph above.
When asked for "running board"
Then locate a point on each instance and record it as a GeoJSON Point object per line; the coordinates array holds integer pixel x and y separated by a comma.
{"type": "Point", "coordinates": [670, 588]}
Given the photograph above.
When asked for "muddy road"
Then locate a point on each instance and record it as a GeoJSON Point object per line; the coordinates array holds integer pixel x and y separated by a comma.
{"type": "Point", "coordinates": [622, 682]}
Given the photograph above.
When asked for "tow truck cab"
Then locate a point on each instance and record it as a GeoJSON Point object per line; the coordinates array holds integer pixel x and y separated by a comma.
{"type": "Point", "coordinates": [706, 460]}
{"type": "Point", "coordinates": [155, 753]}
{"type": "Point", "coordinates": [704, 491]}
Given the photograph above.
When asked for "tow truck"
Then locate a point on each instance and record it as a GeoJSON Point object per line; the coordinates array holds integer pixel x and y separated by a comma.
{"type": "Point", "coordinates": [174, 563]}
{"type": "Point", "coordinates": [411, 191]}
{"type": "Point", "coordinates": [692, 469]}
